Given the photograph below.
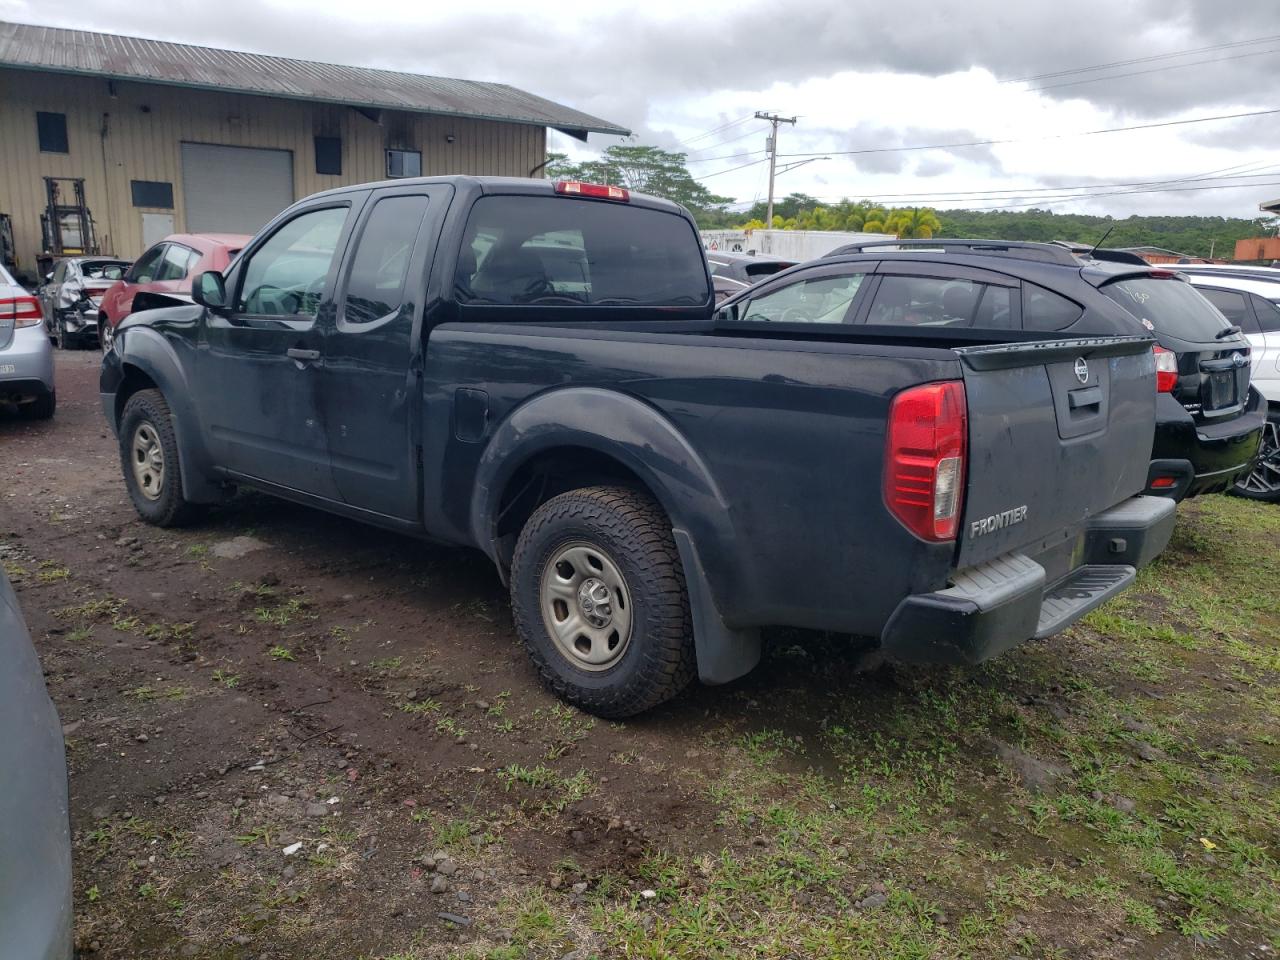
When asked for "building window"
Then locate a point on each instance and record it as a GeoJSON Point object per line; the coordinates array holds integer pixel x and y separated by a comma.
{"type": "Point", "coordinates": [329, 155]}
{"type": "Point", "coordinates": [52, 130]}
{"type": "Point", "coordinates": [152, 193]}
{"type": "Point", "coordinates": [404, 163]}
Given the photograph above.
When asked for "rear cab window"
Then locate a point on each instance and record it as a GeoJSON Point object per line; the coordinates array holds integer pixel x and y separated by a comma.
{"type": "Point", "coordinates": [1168, 306]}
{"type": "Point", "coordinates": [565, 251]}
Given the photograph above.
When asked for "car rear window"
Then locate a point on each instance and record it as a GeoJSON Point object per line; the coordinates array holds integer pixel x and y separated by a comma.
{"type": "Point", "coordinates": [563, 251]}
{"type": "Point", "coordinates": [1168, 306]}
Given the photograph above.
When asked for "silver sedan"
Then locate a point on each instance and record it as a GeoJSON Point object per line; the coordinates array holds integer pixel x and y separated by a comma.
{"type": "Point", "coordinates": [26, 356]}
{"type": "Point", "coordinates": [35, 833]}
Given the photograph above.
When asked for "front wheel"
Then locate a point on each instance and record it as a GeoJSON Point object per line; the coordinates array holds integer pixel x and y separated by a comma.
{"type": "Point", "coordinates": [106, 333]}
{"type": "Point", "coordinates": [1263, 483]}
{"type": "Point", "coordinates": [149, 459]}
{"type": "Point", "coordinates": [599, 600]}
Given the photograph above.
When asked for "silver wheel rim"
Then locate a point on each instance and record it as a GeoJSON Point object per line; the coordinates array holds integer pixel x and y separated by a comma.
{"type": "Point", "coordinates": [1265, 478]}
{"type": "Point", "coordinates": [147, 457]}
{"type": "Point", "coordinates": [586, 606]}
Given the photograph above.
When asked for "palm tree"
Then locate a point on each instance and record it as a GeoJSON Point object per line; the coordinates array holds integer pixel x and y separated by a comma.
{"type": "Point", "coordinates": [913, 223]}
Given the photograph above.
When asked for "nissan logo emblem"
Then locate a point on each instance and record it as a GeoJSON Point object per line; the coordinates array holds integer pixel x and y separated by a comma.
{"type": "Point", "coordinates": [1082, 370]}
{"type": "Point", "coordinates": [1239, 359]}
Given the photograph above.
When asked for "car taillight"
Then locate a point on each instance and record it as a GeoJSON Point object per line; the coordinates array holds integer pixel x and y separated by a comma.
{"type": "Point", "coordinates": [1166, 370]}
{"type": "Point", "coordinates": [925, 459]}
{"type": "Point", "coordinates": [24, 311]}
{"type": "Point", "coordinates": [599, 191]}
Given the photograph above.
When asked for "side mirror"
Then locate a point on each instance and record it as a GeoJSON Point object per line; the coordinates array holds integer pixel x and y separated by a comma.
{"type": "Point", "coordinates": [728, 313]}
{"type": "Point", "coordinates": [210, 290]}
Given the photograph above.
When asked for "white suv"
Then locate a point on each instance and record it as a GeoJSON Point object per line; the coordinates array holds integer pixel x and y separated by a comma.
{"type": "Point", "coordinates": [1249, 297]}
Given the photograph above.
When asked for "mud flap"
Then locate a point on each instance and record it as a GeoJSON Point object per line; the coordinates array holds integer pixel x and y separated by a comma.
{"type": "Point", "coordinates": [723, 653]}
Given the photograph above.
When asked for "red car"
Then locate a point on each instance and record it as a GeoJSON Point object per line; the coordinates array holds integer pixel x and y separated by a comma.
{"type": "Point", "coordinates": [166, 269]}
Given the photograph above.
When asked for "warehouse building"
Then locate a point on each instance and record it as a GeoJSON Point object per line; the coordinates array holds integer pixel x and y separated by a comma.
{"type": "Point", "coordinates": [153, 138]}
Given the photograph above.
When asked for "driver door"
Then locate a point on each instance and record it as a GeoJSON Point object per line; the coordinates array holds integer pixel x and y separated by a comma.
{"type": "Point", "coordinates": [259, 371]}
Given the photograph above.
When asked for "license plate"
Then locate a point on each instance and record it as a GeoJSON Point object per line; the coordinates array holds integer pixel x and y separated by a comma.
{"type": "Point", "coordinates": [1222, 389]}
{"type": "Point", "coordinates": [8, 368]}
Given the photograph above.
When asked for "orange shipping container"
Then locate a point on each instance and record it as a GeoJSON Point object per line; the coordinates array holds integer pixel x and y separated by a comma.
{"type": "Point", "coordinates": [1258, 248]}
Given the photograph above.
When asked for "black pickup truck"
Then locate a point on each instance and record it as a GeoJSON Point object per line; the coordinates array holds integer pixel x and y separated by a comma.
{"type": "Point", "coordinates": [537, 370]}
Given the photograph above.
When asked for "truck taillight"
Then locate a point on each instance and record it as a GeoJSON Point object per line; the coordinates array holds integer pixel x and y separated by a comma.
{"type": "Point", "coordinates": [925, 459]}
{"type": "Point", "coordinates": [1166, 370]}
{"type": "Point", "coordinates": [599, 191]}
{"type": "Point", "coordinates": [24, 311]}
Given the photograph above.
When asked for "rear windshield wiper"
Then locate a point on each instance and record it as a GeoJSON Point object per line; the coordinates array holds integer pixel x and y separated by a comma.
{"type": "Point", "coordinates": [1228, 332]}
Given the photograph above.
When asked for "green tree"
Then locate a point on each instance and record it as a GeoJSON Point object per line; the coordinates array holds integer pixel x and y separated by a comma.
{"type": "Point", "coordinates": [918, 223]}
{"type": "Point", "coordinates": [651, 170]}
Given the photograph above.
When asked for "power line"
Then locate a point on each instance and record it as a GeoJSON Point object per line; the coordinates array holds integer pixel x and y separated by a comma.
{"type": "Point", "coordinates": [1167, 66]}
{"type": "Point", "coordinates": [713, 131]}
{"type": "Point", "coordinates": [1130, 62]}
{"type": "Point", "coordinates": [725, 143]}
{"type": "Point", "coordinates": [1118, 193]}
{"type": "Point", "coordinates": [743, 166]}
{"type": "Point", "coordinates": [1012, 192]}
{"type": "Point", "coordinates": [1053, 136]}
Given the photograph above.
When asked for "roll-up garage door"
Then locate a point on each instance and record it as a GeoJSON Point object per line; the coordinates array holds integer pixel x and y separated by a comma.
{"type": "Point", "coordinates": [234, 189]}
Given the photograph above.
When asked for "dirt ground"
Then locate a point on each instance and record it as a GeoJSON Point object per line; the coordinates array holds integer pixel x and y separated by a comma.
{"type": "Point", "coordinates": [293, 736]}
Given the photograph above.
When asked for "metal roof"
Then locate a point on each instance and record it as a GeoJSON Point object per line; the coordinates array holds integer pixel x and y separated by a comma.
{"type": "Point", "coordinates": [1270, 207]}
{"type": "Point", "coordinates": [206, 68]}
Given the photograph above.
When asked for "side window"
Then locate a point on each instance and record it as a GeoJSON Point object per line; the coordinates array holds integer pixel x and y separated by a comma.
{"type": "Point", "coordinates": [1044, 310]}
{"type": "Point", "coordinates": [144, 270]}
{"type": "Point", "coordinates": [1268, 312]}
{"type": "Point", "coordinates": [1231, 305]}
{"type": "Point", "coordinates": [173, 265]}
{"type": "Point", "coordinates": [940, 302]}
{"type": "Point", "coordinates": [285, 277]}
{"type": "Point", "coordinates": [375, 286]}
{"type": "Point", "coordinates": [820, 300]}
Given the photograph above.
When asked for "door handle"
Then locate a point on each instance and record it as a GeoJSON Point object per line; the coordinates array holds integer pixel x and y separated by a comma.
{"type": "Point", "coordinates": [298, 353]}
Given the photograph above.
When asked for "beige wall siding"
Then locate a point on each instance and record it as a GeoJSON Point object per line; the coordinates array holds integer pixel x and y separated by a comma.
{"type": "Point", "coordinates": [136, 134]}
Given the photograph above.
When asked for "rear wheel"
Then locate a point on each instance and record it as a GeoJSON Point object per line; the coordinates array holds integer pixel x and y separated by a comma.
{"type": "Point", "coordinates": [599, 600]}
{"type": "Point", "coordinates": [1264, 482]}
{"type": "Point", "coordinates": [105, 333]}
{"type": "Point", "coordinates": [149, 459]}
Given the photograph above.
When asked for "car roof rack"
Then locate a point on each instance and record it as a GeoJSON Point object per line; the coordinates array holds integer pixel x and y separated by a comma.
{"type": "Point", "coordinates": [1020, 249]}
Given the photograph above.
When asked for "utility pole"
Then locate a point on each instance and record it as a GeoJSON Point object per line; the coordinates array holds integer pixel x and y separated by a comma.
{"type": "Point", "coordinates": [774, 119]}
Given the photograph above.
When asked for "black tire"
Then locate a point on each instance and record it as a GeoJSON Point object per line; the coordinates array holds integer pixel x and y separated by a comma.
{"type": "Point", "coordinates": [105, 333]}
{"type": "Point", "coordinates": [41, 408]}
{"type": "Point", "coordinates": [166, 506]}
{"type": "Point", "coordinates": [634, 532]}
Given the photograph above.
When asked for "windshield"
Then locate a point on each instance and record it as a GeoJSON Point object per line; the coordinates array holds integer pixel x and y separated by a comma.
{"type": "Point", "coordinates": [565, 251]}
{"type": "Point", "coordinates": [1168, 306]}
{"type": "Point", "coordinates": [103, 269]}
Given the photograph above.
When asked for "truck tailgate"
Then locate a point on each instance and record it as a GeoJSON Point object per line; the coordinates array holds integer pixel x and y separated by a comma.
{"type": "Point", "coordinates": [1059, 431]}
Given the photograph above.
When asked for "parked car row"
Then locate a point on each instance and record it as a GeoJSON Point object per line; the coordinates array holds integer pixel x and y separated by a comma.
{"type": "Point", "coordinates": [84, 298]}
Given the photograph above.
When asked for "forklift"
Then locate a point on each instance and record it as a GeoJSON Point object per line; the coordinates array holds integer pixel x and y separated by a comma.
{"type": "Point", "coordinates": [67, 224]}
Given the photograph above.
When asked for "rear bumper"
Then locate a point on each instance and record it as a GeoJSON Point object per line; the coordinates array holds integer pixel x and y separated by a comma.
{"type": "Point", "coordinates": [26, 365]}
{"type": "Point", "coordinates": [997, 605]}
{"type": "Point", "coordinates": [1192, 459]}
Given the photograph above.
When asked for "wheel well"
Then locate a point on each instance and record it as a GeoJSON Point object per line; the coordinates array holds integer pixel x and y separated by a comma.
{"type": "Point", "coordinates": [550, 474]}
{"type": "Point", "coordinates": [134, 380]}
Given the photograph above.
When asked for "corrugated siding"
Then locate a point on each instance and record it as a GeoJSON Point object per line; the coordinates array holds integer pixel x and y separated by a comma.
{"type": "Point", "coordinates": [145, 125]}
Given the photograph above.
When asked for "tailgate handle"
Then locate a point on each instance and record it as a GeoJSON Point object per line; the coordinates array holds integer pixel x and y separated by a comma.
{"type": "Point", "coordinates": [1088, 397]}
{"type": "Point", "coordinates": [1217, 366]}
{"type": "Point", "coordinates": [298, 353]}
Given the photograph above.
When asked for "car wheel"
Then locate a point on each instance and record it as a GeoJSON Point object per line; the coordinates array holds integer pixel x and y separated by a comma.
{"type": "Point", "coordinates": [41, 408]}
{"type": "Point", "coordinates": [149, 460]}
{"type": "Point", "coordinates": [105, 334]}
{"type": "Point", "coordinates": [599, 600]}
{"type": "Point", "coordinates": [1263, 483]}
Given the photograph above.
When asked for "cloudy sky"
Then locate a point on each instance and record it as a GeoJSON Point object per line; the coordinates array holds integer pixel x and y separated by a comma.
{"type": "Point", "coordinates": [863, 77]}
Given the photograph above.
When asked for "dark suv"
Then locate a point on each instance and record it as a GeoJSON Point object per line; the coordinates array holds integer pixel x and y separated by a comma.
{"type": "Point", "coordinates": [1209, 421]}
